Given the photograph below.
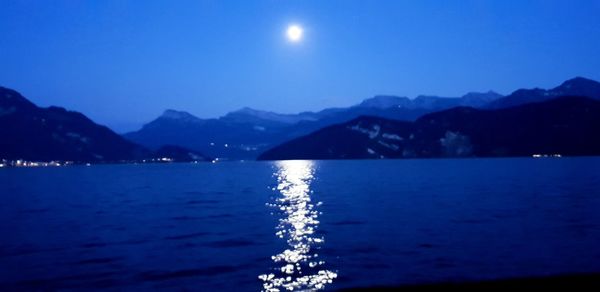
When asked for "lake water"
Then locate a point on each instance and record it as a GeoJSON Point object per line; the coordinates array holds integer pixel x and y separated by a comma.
{"type": "Point", "coordinates": [250, 226]}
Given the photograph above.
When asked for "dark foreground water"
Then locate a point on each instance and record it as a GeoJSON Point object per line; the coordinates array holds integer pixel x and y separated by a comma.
{"type": "Point", "coordinates": [266, 225]}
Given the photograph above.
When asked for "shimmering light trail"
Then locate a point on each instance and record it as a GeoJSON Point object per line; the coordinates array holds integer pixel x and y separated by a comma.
{"type": "Point", "coordinates": [298, 268]}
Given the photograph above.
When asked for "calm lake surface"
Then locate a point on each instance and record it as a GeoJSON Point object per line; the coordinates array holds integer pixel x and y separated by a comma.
{"type": "Point", "coordinates": [251, 226]}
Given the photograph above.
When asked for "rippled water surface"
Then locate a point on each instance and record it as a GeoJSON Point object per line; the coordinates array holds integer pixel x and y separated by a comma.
{"type": "Point", "coordinates": [251, 226]}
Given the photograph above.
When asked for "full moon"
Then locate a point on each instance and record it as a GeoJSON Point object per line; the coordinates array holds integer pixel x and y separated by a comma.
{"type": "Point", "coordinates": [294, 33]}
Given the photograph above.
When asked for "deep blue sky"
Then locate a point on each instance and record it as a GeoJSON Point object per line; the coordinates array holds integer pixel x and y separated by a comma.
{"type": "Point", "coordinates": [123, 62]}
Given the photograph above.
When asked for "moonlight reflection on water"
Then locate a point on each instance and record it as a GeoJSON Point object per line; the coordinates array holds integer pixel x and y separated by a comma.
{"type": "Point", "coordinates": [298, 268]}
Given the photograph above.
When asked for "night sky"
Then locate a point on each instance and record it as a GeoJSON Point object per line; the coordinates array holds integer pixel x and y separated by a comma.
{"type": "Point", "coordinates": [123, 62]}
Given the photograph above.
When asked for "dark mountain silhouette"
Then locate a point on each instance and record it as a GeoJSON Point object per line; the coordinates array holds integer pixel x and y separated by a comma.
{"type": "Point", "coordinates": [45, 134]}
{"type": "Point", "coordinates": [214, 137]}
{"type": "Point", "coordinates": [54, 133]}
{"type": "Point", "coordinates": [566, 126]}
{"type": "Point", "coordinates": [33, 133]}
{"type": "Point", "coordinates": [245, 133]}
{"type": "Point", "coordinates": [578, 86]}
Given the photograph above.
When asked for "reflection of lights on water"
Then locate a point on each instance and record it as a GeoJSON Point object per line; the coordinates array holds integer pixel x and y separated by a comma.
{"type": "Point", "coordinates": [299, 268]}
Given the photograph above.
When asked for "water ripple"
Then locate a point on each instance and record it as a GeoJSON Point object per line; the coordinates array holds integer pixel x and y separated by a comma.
{"type": "Point", "coordinates": [187, 236]}
{"type": "Point", "coordinates": [169, 275]}
{"type": "Point", "coordinates": [298, 268]}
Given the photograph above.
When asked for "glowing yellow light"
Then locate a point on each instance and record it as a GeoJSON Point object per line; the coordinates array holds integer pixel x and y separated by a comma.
{"type": "Point", "coordinates": [294, 33]}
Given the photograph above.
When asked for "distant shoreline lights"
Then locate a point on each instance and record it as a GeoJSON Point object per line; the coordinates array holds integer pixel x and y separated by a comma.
{"type": "Point", "coordinates": [546, 156]}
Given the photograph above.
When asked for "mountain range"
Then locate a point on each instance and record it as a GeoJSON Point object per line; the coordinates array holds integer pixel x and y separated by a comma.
{"type": "Point", "coordinates": [33, 133]}
{"type": "Point", "coordinates": [564, 126]}
{"type": "Point", "coordinates": [43, 134]}
{"type": "Point", "coordinates": [577, 86]}
{"type": "Point", "coordinates": [246, 133]}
